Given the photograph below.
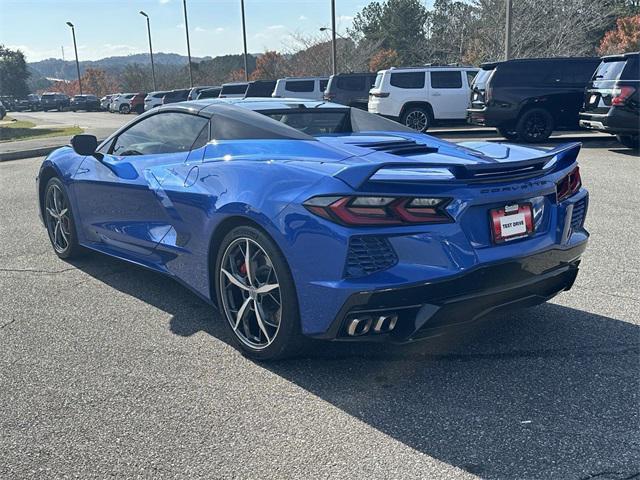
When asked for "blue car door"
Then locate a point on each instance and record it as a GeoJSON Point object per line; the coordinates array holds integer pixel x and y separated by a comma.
{"type": "Point", "coordinates": [120, 205]}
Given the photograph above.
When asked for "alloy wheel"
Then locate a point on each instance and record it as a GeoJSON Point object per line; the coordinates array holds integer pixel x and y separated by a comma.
{"type": "Point", "coordinates": [58, 219]}
{"type": "Point", "coordinates": [250, 293]}
{"type": "Point", "coordinates": [536, 126]}
{"type": "Point", "coordinates": [417, 120]}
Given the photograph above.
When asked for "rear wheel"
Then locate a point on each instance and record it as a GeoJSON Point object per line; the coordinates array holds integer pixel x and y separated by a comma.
{"type": "Point", "coordinates": [508, 133]}
{"type": "Point", "coordinates": [256, 295]}
{"type": "Point", "coordinates": [417, 118]}
{"type": "Point", "coordinates": [59, 220]}
{"type": "Point", "coordinates": [535, 125]}
{"type": "Point", "coordinates": [629, 141]}
{"type": "Point", "coordinates": [125, 108]}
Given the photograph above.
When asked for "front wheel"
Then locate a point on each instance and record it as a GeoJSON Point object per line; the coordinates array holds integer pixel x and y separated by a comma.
{"type": "Point", "coordinates": [629, 141]}
{"type": "Point", "coordinates": [59, 220]}
{"type": "Point", "coordinates": [125, 108]}
{"type": "Point", "coordinates": [535, 125]}
{"type": "Point", "coordinates": [256, 295]}
{"type": "Point", "coordinates": [417, 118]}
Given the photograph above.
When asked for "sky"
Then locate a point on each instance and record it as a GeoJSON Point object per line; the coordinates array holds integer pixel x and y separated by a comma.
{"type": "Point", "coordinates": [107, 28]}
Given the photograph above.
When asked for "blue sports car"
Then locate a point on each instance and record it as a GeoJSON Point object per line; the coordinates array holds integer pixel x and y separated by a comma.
{"type": "Point", "coordinates": [309, 219]}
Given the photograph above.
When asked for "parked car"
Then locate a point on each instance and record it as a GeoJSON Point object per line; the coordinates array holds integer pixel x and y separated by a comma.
{"type": "Point", "coordinates": [85, 102]}
{"type": "Point", "coordinates": [54, 101]}
{"type": "Point", "coordinates": [106, 101]}
{"type": "Point", "coordinates": [136, 104]}
{"type": "Point", "coordinates": [612, 99]}
{"type": "Point", "coordinates": [34, 102]}
{"type": "Point", "coordinates": [3, 111]}
{"type": "Point", "coordinates": [233, 90]}
{"type": "Point", "coordinates": [154, 99]}
{"type": "Point", "coordinates": [527, 99]}
{"type": "Point", "coordinates": [209, 93]}
{"type": "Point", "coordinates": [311, 88]}
{"type": "Point", "coordinates": [260, 88]}
{"type": "Point", "coordinates": [323, 221]}
{"type": "Point", "coordinates": [419, 96]}
{"type": "Point", "coordinates": [174, 96]}
{"type": "Point", "coordinates": [120, 103]}
{"type": "Point", "coordinates": [193, 93]}
{"type": "Point", "coordinates": [351, 89]}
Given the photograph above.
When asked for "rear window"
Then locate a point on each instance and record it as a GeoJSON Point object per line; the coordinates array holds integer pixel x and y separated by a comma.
{"type": "Point", "coordinates": [609, 70]}
{"type": "Point", "coordinates": [446, 80]}
{"type": "Point", "coordinates": [323, 84]}
{"type": "Point", "coordinates": [378, 81]}
{"type": "Point", "coordinates": [299, 85]}
{"type": "Point", "coordinates": [159, 95]}
{"type": "Point", "coordinates": [234, 89]}
{"type": "Point", "coordinates": [408, 80]}
{"type": "Point", "coordinates": [352, 84]}
{"type": "Point", "coordinates": [481, 79]}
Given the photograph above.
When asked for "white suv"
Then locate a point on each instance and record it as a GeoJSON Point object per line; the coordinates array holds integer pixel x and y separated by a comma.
{"type": "Point", "coordinates": [311, 88]}
{"type": "Point", "coordinates": [154, 99]}
{"type": "Point", "coordinates": [418, 96]}
{"type": "Point", "coordinates": [120, 102]}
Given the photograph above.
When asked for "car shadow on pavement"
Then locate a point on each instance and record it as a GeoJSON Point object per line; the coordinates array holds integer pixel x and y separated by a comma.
{"type": "Point", "coordinates": [544, 393]}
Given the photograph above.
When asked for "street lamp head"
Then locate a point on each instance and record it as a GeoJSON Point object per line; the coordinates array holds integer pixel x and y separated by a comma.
{"type": "Point", "coordinates": [324, 29]}
{"type": "Point", "coordinates": [70, 24]}
{"type": "Point", "coordinates": [143, 14]}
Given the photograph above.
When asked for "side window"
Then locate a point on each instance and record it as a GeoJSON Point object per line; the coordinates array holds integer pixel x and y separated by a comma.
{"type": "Point", "coordinates": [299, 85]}
{"type": "Point", "coordinates": [352, 84]}
{"type": "Point", "coordinates": [470, 76]}
{"type": "Point", "coordinates": [577, 73]}
{"type": "Point", "coordinates": [446, 79]}
{"type": "Point", "coordinates": [323, 85]}
{"type": "Point", "coordinates": [168, 132]}
{"type": "Point", "coordinates": [408, 80]}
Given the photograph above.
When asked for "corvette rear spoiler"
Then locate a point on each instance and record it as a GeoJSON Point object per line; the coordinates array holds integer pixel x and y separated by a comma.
{"type": "Point", "coordinates": [488, 171]}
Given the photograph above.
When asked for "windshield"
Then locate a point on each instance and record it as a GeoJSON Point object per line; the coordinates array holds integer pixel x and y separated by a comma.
{"type": "Point", "coordinates": [234, 89]}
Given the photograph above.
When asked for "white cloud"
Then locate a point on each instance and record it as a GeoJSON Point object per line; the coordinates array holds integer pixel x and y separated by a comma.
{"type": "Point", "coordinates": [275, 27]}
{"type": "Point", "coordinates": [219, 29]}
{"type": "Point", "coordinates": [345, 18]}
{"type": "Point", "coordinates": [164, 2]}
{"type": "Point", "coordinates": [200, 29]}
{"type": "Point", "coordinates": [180, 25]}
{"type": "Point", "coordinates": [302, 17]}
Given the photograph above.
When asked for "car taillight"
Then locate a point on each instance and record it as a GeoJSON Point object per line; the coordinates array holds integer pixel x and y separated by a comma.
{"type": "Point", "coordinates": [569, 185]}
{"type": "Point", "coordinates": [621, 95]}
{"type": "Point", "coordinates": [370, 211]}
{"type": "Point", "coordinates": [380, 94]}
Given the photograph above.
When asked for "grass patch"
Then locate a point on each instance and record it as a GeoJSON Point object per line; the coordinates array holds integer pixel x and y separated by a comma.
{"type": "Point", "coordinates": [23, 130]}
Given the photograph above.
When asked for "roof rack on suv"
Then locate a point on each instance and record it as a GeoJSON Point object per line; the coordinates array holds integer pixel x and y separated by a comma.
{"type": "Point", "coordinates": [432, 65]}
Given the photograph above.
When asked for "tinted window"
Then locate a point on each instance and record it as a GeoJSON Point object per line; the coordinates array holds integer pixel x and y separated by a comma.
{"type": "Point", "coordinates": [408, 80]}
{"type": "Point", "coordinates": [162, 133]}
{"type": "Point", "coordinates": [609, 70]}
{"type": "Point", "coordinates": [323, 85]}
{"type": "Point", "coordinates": [446, 80]}
{"type": "Point", "coordinates": [523, 73]}
{"type": "Point", "coordinates": [631, 70]}
{"type": "Point", "coordinates": [470, 77]}
{"type": "Point", "coordinates": [212, 93]}
{"type": "Point", "coordinates": [260, 89]}
{"type": "Point", "coordinates": [234, 89]}
{"type": "Point", "coordinates": [352, 84]}
{"type": "Point", "coordinates": [578, 73]}
{"type": "Point", "coordinates": [159, 95]}
{"type": "Point", "coordinates": [299, 85]}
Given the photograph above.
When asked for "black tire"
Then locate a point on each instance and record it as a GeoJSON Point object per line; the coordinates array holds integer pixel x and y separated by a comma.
{"type": "Point", "coordinates": [67, 226]}
{"type": "Point", "coordinates": [287, 339]}
{"type": "Point", "coordinates": [125, 109]}
{"type": "Point", "coordinates": [508, 133]}
{"type": "Point", "coordinates": [535, 125]}
{"type": "Point", "coordinates": [417, 118]}
{"type": "Point", "coordinates": [630, 141]}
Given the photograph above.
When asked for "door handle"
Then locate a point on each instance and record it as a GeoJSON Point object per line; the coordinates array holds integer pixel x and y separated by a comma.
{"type": "Point", "coordinates": [436, 94]}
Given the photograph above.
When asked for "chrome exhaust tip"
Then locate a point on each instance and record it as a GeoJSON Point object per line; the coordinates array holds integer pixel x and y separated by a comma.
{"type": "Point", "coordinates": [385, 323]}
{"type": "Point", "coordinates": [359, 326]}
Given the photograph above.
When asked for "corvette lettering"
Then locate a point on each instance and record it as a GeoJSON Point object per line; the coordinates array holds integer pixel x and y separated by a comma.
{"type": "Point", "coordinates": [512, 188]}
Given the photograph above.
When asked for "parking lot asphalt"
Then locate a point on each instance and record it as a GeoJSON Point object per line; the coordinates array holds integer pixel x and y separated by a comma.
{"type": "Point", "coordinates": [107, 369]}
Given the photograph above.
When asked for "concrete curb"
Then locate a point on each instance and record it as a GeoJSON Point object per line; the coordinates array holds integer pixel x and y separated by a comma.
{"type": "Point", "coordinates": [33, 152]}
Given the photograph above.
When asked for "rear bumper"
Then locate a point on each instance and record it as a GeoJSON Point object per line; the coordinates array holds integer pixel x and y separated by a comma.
{"type": "Point", "coordinates": [616, 121]}
{"type": "Point", "coordinates": [429, 309]}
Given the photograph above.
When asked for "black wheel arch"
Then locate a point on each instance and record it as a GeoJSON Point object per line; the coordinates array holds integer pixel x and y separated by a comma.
{"type": "Point", "coordinates": [426, 105]}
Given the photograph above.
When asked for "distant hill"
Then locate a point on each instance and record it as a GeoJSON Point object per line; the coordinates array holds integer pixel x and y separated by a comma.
{"type": "Point", "coordinates": [66, 69]}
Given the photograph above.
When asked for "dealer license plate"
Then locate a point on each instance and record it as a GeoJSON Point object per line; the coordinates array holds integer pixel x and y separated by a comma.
{"type": "Point", "coordinates": [511, 222]}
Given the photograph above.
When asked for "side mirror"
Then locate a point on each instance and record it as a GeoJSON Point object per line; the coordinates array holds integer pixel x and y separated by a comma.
{"type": "Point", "coordinates": [84, 144]}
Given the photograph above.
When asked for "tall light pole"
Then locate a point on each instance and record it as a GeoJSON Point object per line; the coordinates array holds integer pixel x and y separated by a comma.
{"type": "Point", "coordinates": [186, 28]}
{"type": "Point", "coordinates": [153, 68]}
{"type": "Point", "coordinates": [244, 41]}
{"type": "Point", "coordinates": [334, 60]}
{"type": "Point", "coordinates": [75, 47]}
{"type": "Point", "coordinates": [507, 31]}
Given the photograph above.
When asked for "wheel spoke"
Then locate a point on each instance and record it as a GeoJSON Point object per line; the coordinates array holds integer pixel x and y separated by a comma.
{"type": "Point", "coordinates": [267, 288]}
{"type": "Point", "coordinates": [240, 313]}
{"type": "Point", "coordinates": [258, 310]}
{"type": "Point", "coordinates": [247, 263]}
{"type": "Point", "coordinates": [52, 213]}
{"type": "Point", "coordinates": [233, 279]}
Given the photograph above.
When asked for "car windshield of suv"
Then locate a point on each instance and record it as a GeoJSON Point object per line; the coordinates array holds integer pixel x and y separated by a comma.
{"type": "Point", "coordinates": [609, 70]}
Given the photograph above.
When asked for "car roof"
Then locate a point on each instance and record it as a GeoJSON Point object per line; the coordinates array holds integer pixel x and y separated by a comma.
{"type": "Point", "coordinates": [492, 65]}
{"type": "Point", "coordinates": [209, 106]}
{"type": "Point", "coordinates": [428, 67]}
{"type": "Point", "coordinates": [303, 78]}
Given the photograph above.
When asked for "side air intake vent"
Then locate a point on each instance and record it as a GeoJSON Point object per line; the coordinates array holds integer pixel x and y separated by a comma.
{"type": "Point", "coordinates": [402, 148]}
{"type": "Point", "coordinates": [579, 212]}
{"type": "Point", "coordinates": [369, 254]}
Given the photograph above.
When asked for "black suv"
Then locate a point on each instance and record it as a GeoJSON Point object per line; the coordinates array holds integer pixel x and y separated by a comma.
{"type": "Point", "coordinates": [260, 88]}
{"type": "Point", "coordinates": [612, 99]}
{"type": "Point", "coordinates": [54, 101]}
{"type": "Point", "coordinates": [351, 89]}
{"type": "Point", "coordinates": [85, 102]}
{"type": "Point", "coordinates": [174, 96]}
{"type": "Point", "coordinates": [528, 99]}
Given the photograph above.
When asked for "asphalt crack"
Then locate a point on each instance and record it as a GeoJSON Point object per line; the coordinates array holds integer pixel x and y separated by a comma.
{"type": "Point", "coordinates": [36, 271]}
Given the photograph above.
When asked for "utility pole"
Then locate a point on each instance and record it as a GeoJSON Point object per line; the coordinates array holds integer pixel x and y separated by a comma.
{"type": "Point", "coordinates": [153, 68]}
{"type": "Point", "coordinates": [75, 47]}
{"type": "Point", "coordinates": [334, 60]}
{"type": "Point", "coordinates": [186, 29]}
{"type": "Point", "coordinates": [244, 41]}
{"type": "Point", "coordinates": [507, 31]}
